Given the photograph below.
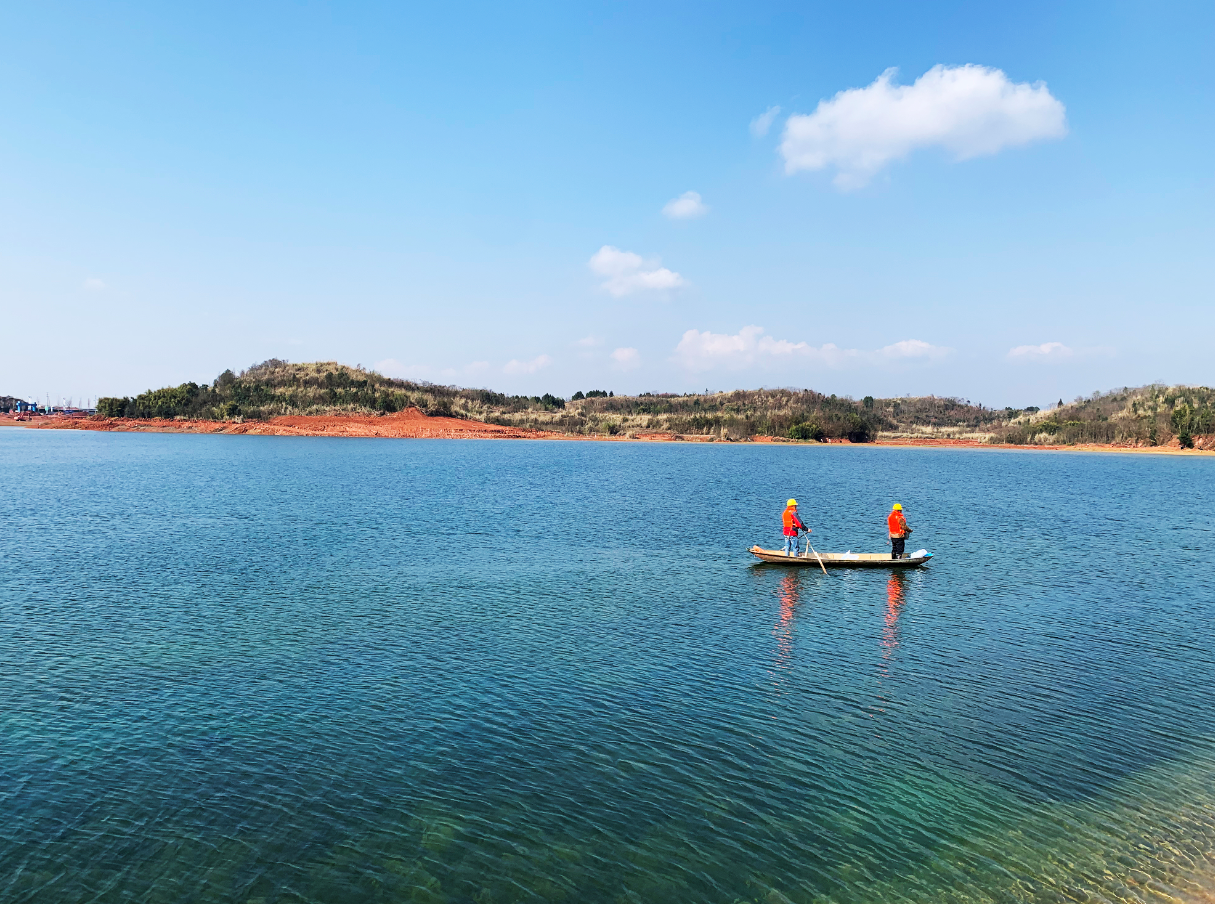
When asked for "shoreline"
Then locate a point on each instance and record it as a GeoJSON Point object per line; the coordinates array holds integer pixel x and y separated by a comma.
{"type": "Point", "coordinates": [413, 424]}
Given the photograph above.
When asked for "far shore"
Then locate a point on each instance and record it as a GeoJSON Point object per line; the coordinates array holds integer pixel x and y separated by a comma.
{"type": "Point", "coordinates": [414, 424]}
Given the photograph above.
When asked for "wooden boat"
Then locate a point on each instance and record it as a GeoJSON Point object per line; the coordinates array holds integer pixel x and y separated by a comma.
{"type": "Point", "coordinates": [838, 559]}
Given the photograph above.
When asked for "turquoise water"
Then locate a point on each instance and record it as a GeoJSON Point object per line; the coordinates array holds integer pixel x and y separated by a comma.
{"type": "Point", "coordinates": [271, 669]}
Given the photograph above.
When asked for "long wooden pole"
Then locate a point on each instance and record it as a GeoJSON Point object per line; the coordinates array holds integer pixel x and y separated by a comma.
{"type": "Point", "coordinates": [816, 555]}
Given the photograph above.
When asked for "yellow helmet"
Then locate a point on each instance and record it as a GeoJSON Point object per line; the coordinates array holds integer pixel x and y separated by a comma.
{"type": "Point", "coordinates": [791, 502]}
{"type": "Point", "coordinates": [897, 508]}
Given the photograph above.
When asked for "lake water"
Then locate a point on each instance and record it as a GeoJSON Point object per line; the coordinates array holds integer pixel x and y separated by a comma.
{"type": "Point", "coordinates": [274, 669]}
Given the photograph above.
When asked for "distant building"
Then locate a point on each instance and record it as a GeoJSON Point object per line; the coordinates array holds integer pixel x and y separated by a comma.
{"type": "Point", "coordinates": [10, 405]}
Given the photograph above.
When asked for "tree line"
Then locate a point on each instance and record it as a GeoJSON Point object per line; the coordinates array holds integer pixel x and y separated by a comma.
{"type": "Point", "coordinates": [1151, 415]}
{"type": "Point", "coordinates": [277, 387]}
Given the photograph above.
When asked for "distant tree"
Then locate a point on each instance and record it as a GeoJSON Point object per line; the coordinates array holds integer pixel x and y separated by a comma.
{"type": "Point", "coordinates": [1181, 420]}
{"type": "Point", "coordinates": [868, 402]}
{"type": "Point", "coordinates": [577, 397]}
{"type": "Point", "coordinates": [856, 429]}
{"type": "Point", "coordinates": [806, 431]}
{"type": "Point", "coordinates": [551, 401]}
{"type": "Point", "coordinates": [112, 407]}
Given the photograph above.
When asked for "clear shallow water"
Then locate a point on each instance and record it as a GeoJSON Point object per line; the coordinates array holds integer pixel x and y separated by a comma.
{"type": "Point", "coordinates": [274, 669]}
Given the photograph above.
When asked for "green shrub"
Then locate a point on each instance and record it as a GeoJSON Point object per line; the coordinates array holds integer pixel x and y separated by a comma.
{"type": "Point", "coordinates": [112, 407]}
{"type": "Point", "coordinates": [858, 430]}
{"type": "Point", "coordinates": [806, 431]}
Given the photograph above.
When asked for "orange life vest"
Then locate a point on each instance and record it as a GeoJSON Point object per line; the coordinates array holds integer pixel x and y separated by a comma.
{"type": "Point", "coordinates": [791, 522]}
{"type": "Point", "coordinates": [897, 524]}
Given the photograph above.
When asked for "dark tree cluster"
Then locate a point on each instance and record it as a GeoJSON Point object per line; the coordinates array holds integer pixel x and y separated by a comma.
{"type": "Point", "coordinates": [797, 414]}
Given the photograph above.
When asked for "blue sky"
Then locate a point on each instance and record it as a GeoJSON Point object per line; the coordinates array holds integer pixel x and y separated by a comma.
{"type": "Point", "coordinates": [475, 194]}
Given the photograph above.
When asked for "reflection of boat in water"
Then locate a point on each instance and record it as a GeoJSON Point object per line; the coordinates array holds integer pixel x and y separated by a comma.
{"type": "Point", "coordinates": [840, 559]}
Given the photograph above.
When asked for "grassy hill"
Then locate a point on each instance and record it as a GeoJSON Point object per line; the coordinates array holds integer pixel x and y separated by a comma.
{"type": "Point", "coordinates": [1150, 415]}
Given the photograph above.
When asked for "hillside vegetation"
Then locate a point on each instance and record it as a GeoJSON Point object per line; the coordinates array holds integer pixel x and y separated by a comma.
{"type": "Point", "coordinates": [1151, 415]}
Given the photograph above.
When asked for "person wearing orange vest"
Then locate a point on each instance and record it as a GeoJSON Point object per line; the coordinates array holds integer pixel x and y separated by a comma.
{"type": "Point", "coordinates": [792, 524]}
{"type": "Point", "coordinates": [898, 531]}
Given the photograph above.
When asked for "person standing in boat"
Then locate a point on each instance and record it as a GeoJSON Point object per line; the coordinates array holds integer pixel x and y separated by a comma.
{"type": "Point", "coordinates": [792, 524]}
{"type": "Point", "coordinates": [897, 524]}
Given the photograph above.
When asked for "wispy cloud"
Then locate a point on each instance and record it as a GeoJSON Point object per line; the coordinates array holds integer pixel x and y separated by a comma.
{"type": "Point", "coordinates": [527, 367]}
{"type": "Point", "coordinates": [624, 272]}
{"type": "Point", "coordinates": [686, 207]}
{"type": "Point", "coordinates": [93, 284]}
{"type": "Point", "coordinates": [1047, 351]}
{"type": "Point", "coordinates": [589, 342]}
{"type": "Point", "coordinates": [705, 350]}
{"type": "Point", "coordinates": [391, 367]}
{"type": "Point", "coordinates": [970, 111]}
{"type": "Point", "coordinates": [1058, 353]}
{"type": "Point", "coordinates": [913, 348]}
{"type": "Point", "coordinates": [763, 122]}
{"type": "Point", "coordinates": [626, 359]}
{"type": "Point", "coordinates": [750, 347]}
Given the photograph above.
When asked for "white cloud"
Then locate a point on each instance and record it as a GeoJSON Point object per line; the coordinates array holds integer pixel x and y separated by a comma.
{"type": "Point", "coordinates": [527, 367]}
{"type": "Point", "coordinates": [626, 358]}
{"type": "Point", "coordinates": [93, 284]}
{"type": "Point", "coordinates": [1047, 351]}
{"type": "Point", "coordinates": [625, 272]}
{"type": "Point", "coordinates": [913, 348]}
{"type": "Point", "coordinates": [589, 342]}
{"type": "Point", "coordinates": [763, 122]}
{"type": "Point", "coordinates": [748, 347]}
{"type": "Point", "coordinates": [970, 111]}
{"type": "Point", "coordinates": [704, 351]}
{"type": "Point", "coordinates": [686, 207]}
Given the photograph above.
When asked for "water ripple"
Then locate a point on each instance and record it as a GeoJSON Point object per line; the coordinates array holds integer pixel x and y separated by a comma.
{"type": "Point", "coordinates": [267, 669]}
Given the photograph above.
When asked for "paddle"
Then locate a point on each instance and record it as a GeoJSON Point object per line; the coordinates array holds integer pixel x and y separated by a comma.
{"type": "Point", "coordinates": [816, 555]}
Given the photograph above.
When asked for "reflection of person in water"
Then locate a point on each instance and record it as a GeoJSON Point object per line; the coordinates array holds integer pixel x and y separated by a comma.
{"type": "Point", "coordinates": [895, 595]}
{"type": "Point", "coordinates": [790, 593]}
